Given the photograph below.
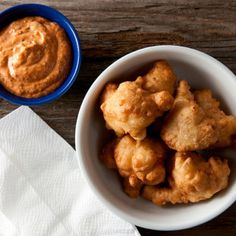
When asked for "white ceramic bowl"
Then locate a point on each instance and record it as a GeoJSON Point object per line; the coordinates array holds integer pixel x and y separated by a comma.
{"type": "Point", "coordinates": [202, 71]}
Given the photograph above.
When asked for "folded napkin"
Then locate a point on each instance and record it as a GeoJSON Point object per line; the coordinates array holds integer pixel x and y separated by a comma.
{"type": "Point", "coordinates": [41, 188]}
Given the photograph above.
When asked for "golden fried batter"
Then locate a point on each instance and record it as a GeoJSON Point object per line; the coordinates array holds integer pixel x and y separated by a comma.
{"type": "Point", "coordinates": [187, 127]}
{"type": "Point", "coordinates": [138, 162]}
{"type": "Point", "coordinates": [192, 179]}
{"type": "Point", "coordinates": [142, 158]}
{"type": "Point", "coordinates": [160, 78]}
{"type": "Point", "coordinates": [107, 156]}
{"type": "Point", "coordinates": [225, 125]}
{"type": "Point", "coordinates": [132, 186]}
{"type": "Point", "coordinates": [195, 122]}
{"type": "Point", "coordinates": [129, 109]}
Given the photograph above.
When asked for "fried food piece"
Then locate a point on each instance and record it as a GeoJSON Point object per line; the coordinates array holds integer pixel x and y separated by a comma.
{"type": "Point", "coordinates": [195, 122]}
{"type": "Point", "coordinates": [225, 125]}
{"type": "Point", "coordinates": [107, 156]}
{"type": "Point", "coordinates": [132, 186]}
{"type": "Point", "coordinates": [160, 78]}
{"type": "Point", "coordinates": [129, 109]}
{"type": "Point", "coordinates": [187, 128]}
{"type": "Point", "coordinates": [138, 162]}
{"type": "Point", "coordinates": [192, 179]}
{"type": "Point", "coordinates": [108, 91]}
{"type": "Point", "coordinates": [144, 159]}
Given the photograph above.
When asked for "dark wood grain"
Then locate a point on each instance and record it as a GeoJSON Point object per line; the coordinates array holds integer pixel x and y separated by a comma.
{"type": "Point", "coordinates": [109, 29]}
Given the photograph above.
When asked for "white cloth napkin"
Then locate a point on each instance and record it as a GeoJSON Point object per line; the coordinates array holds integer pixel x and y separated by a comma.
{"type": "Point", "coordinates": [42, 192]}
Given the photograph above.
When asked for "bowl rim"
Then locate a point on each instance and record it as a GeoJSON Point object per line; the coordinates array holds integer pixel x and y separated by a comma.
{"type": "Point", "coordinates": [75, 65]}
{"type": "Point", "coordinates": [80, 150]}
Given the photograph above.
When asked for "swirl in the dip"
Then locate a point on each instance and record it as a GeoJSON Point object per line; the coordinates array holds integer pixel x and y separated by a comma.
{"type": "Point", "coordinates": [35, 57]}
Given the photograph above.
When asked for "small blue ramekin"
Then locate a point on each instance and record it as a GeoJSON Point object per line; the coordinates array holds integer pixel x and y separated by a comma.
{"type": "Point", "coordinates": [23, 10]}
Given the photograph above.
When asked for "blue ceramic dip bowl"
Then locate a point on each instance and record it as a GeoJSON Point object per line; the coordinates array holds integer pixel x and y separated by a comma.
{"type": "Point", "coordinates": [19, 11]}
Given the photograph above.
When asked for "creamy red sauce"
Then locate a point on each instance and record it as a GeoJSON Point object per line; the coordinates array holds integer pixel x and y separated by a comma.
{"type": "Point", "coordinates": [35, 57]}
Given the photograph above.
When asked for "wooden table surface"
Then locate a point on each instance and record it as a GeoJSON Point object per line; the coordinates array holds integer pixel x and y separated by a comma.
{"type": "Point", "coordinates": [110, 29]}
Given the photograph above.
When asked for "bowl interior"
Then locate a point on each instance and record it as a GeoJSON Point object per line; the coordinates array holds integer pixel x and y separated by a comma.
{"type": "Point", "coordinates": [201, 71]}
{"type": "Point", "coordinates": [23, 10]}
